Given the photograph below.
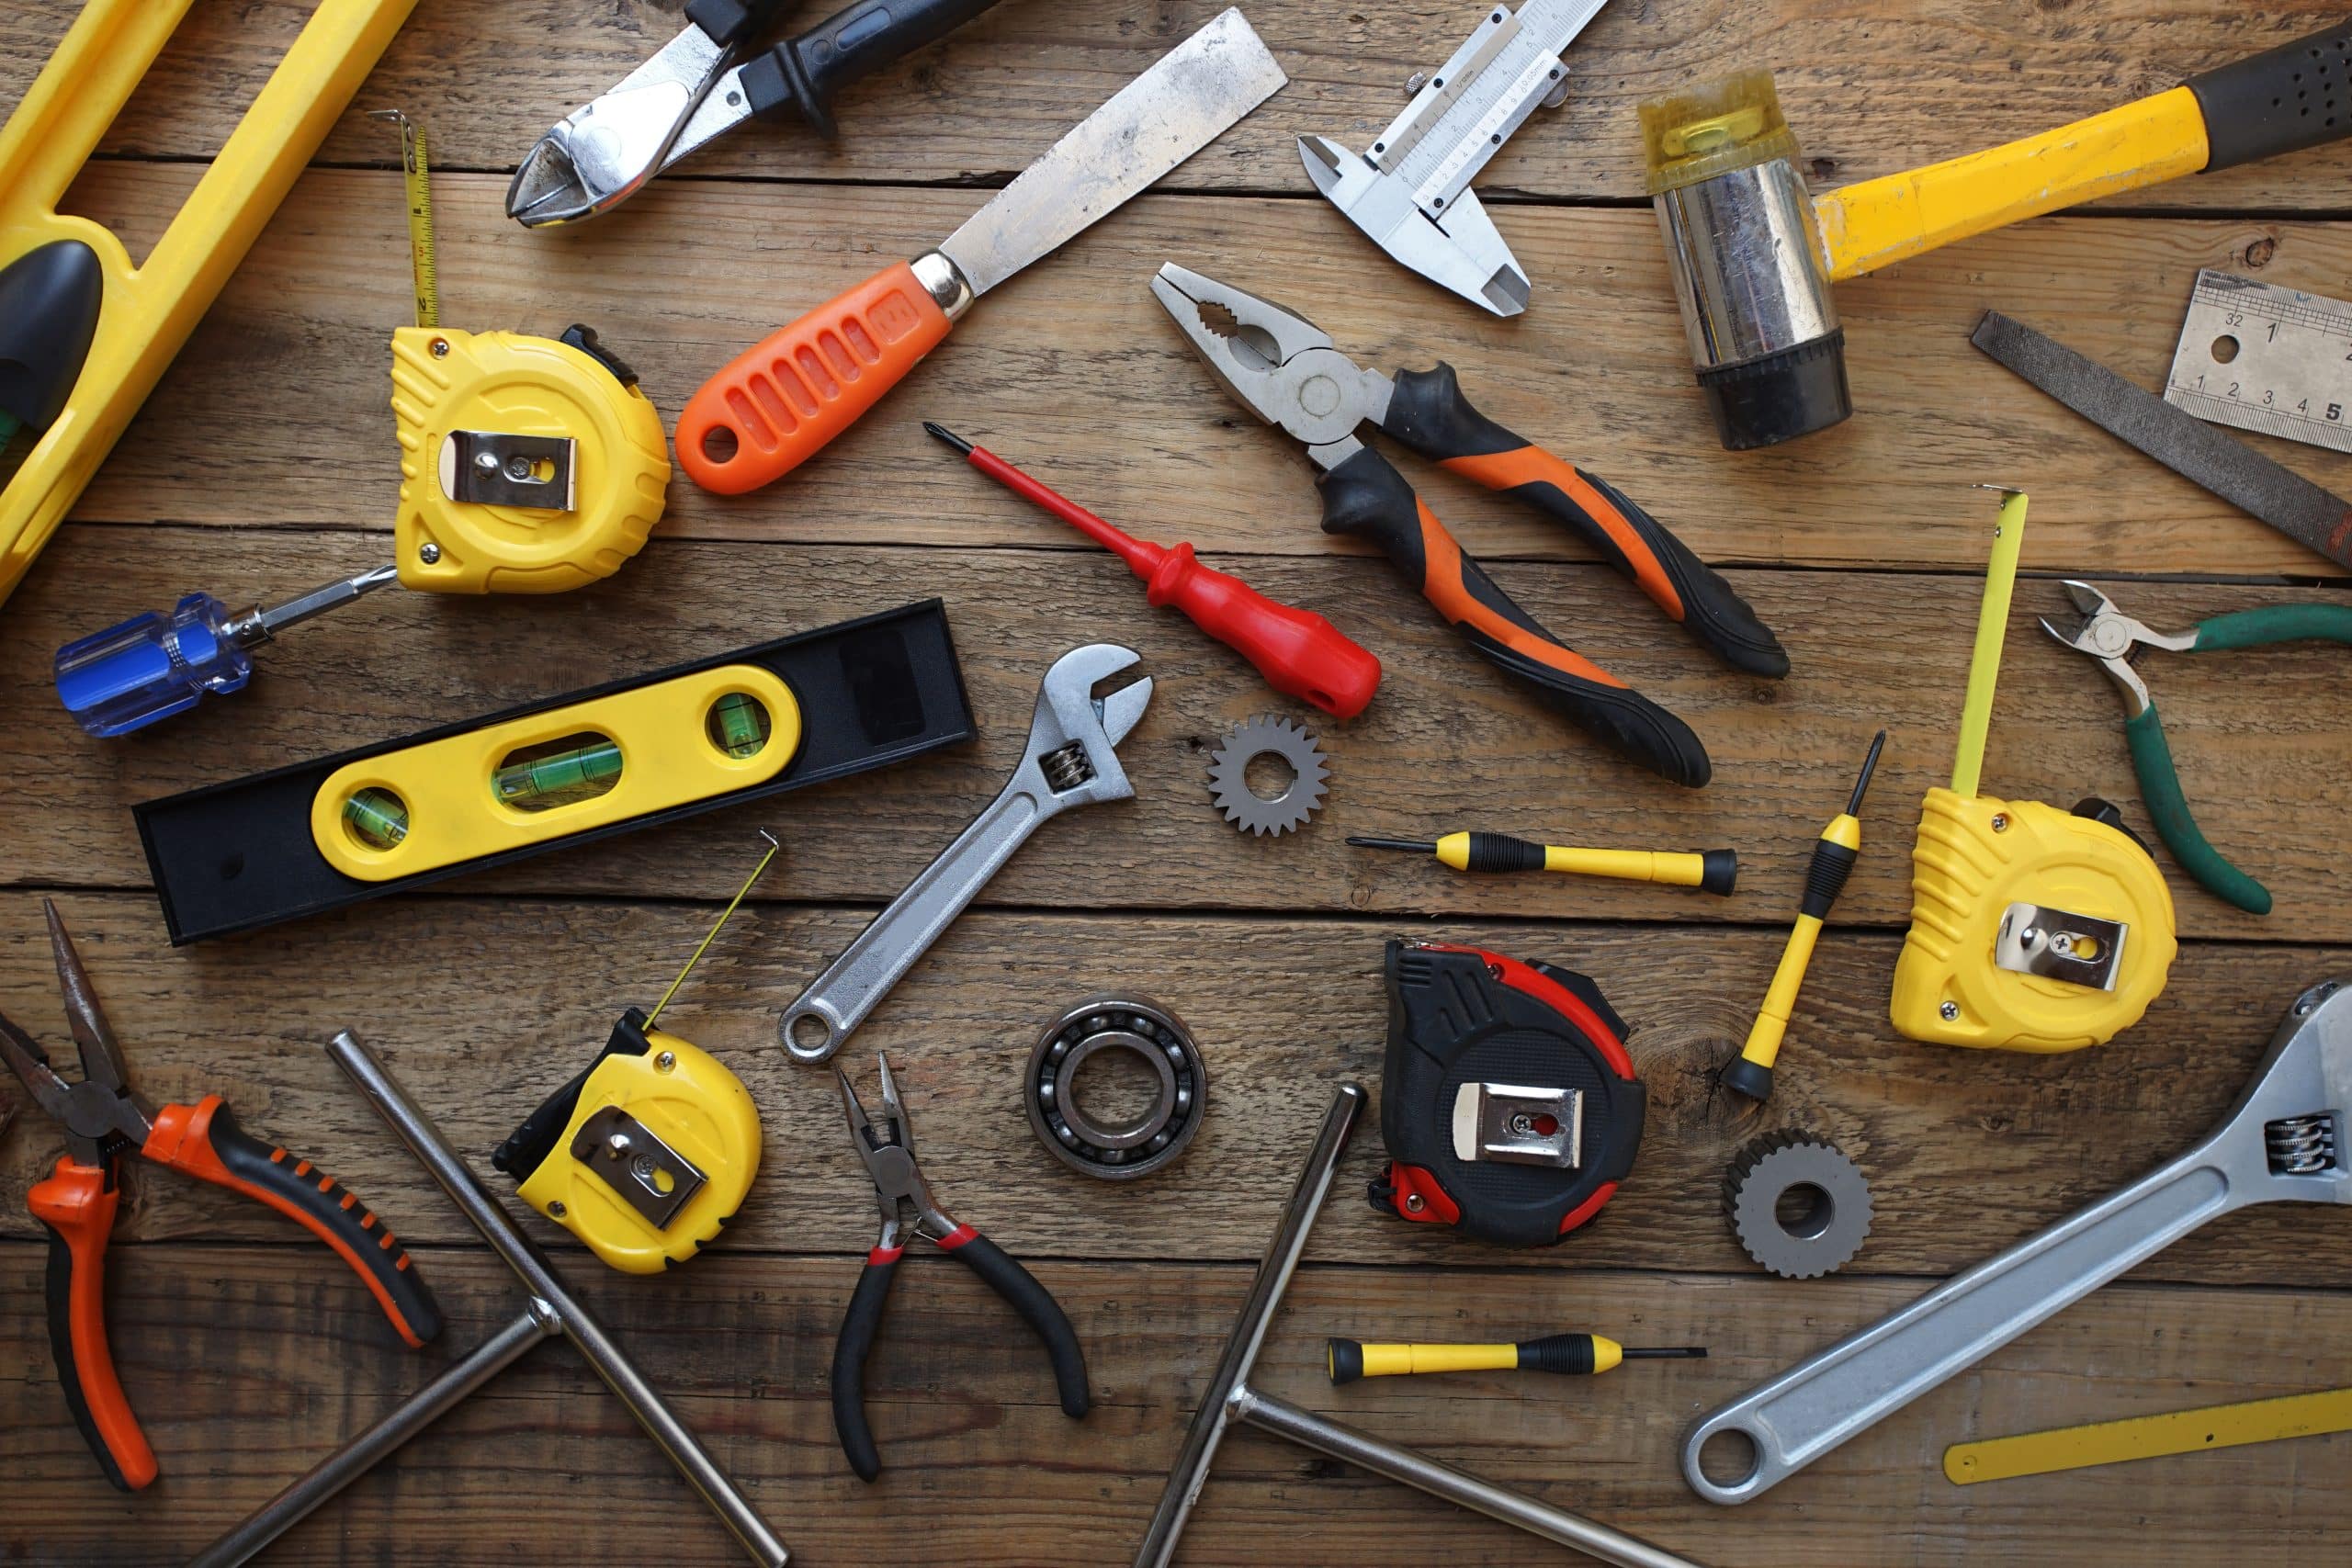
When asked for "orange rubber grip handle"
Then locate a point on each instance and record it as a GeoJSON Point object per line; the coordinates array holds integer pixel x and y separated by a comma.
{"type": "Point", "coordinates": [204, 1141]}
{"type": "Point", "coordinates": [77, 1203]}
{"type": "Point", "coordinates": [776, 404]}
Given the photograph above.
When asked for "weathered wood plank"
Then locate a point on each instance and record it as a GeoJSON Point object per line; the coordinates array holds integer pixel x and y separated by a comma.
{"type": "Point", "coordinates": [275, 412]}
{"type": "Point", "coordinates": [245, 1372]}
{"type": "Point", "coordinates": [1450, 743]}
{"type": "Point", "coordinates": [1869, 88]}
{"type": "Point", "coordinates": [484, 1008]}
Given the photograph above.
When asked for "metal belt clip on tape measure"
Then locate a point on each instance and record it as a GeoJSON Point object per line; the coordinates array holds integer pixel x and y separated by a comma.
{"type": "Point", "coordinates": [1507, 1102]}
{"type": "Point", "coordinates": [648, 1151]}
{"type": "Point", "coordinates": [2032, 928]}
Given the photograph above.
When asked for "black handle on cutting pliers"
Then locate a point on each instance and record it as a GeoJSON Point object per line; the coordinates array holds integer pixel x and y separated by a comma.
{"type": "Point", "coordinates": [1429, 413]}
{"type": "Point", "coordinates": [800, 76]}
{"type": "Point", "coordinates": [1364, 497]}
{"type": "Point", "coordinates": [1004, 1275]}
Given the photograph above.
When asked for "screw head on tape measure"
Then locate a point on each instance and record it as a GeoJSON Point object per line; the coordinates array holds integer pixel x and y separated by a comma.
{"type": "Point", "coordinates": [1510, 1107]}
{"type": "Point", "coordinates": [458, 397]}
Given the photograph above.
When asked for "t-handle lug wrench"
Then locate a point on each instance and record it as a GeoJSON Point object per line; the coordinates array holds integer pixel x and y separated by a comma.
{"type": "Point", "coordinates": [1072, 760]}
{"type": "Point", "coordinates": [2284, 1142]}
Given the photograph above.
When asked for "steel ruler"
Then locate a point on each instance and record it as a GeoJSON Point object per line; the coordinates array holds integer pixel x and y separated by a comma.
{"type": "Point", "coordinates": [2272, 360]}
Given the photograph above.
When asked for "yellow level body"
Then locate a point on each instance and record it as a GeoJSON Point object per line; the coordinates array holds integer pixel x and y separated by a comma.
{"type": "Point", "coordinates": [149, 309]}
{"type": "Point", "coordinates": [1875, 223]}
{"type": "Point", "coordinates": [450, 812]}
{"type": "Point", "coordinates": [2150, 1436]}
{"type": "Point", "coordinates": [690, 1100]}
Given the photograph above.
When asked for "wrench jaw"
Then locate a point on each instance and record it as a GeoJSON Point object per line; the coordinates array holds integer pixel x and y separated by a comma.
{"type": "Point", "coordinates": [1074, 738]}
{"type": "Point", "coordinates": [2289, 1127]}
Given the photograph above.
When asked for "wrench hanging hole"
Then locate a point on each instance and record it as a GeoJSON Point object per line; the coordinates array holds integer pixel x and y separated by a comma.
{"type": "Point", "coordinates": [1730, 1458]}
{"type": "Point", "coordinates": [808, 1033]}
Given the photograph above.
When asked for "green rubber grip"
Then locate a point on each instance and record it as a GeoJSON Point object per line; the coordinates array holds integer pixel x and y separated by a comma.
{"type": "Point", "coordinates": [2275, 623]}
{"type": "Point", "coordinates": [2152, 760]}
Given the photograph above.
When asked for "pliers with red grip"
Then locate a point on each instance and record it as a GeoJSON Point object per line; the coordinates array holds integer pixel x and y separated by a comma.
{"type": "Point", "coordinates": [1283, 369]}
{"type": "Point", "coordinates": [104, 1120]}
{"type": "Point", "coordinates": [889, 1150]}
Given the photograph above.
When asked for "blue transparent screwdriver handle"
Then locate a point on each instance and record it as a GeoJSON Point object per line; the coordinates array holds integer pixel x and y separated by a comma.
{"type": "Point", "coordinates": [152, 666]}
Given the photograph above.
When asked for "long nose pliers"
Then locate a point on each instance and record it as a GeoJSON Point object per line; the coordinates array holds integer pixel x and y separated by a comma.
{"type": "Point", "coordinates": [1283, 369]}
{"type": "Point", "coordinates": [104, 1120]}
{"type": "Point", "coordinates": [2114, 638]}
{"type": "Point", "coordinates": [888, 1147]}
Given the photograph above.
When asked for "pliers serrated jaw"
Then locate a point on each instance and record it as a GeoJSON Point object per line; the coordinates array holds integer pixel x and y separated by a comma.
{"type": "Point", "coordinates": [2104, 633]}
{"type": "Point", "coordinates": [1275, 363]}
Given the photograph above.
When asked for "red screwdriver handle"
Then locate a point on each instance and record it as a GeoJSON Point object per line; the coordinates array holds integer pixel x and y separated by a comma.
{"type": "Point", "coordinates": [204, 1141]}
{"type": "Point", "coordinates": [1300, 654]}
{"type": "Point", "coordinates": [77, 1203]}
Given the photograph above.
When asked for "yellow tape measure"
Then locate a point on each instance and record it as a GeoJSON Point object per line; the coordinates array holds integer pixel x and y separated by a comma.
{"type": "Point", "coordinates": [420, 215]}
{"type": "Point", "coordinates": [2150, 1436]}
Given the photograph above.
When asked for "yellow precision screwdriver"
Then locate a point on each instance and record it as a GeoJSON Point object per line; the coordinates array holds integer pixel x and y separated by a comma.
{"type": "Point", "coordinates": [1841, 844]}
{"type": "Point", "coordinates": [1575, 1355]}
{"type": "Point", "coordinates": [1710, 870]}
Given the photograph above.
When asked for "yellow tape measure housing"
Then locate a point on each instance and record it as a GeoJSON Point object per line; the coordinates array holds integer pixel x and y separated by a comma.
{"type": "Point", "coordinates": [1974, 859]}
{"type": "Point", "coordinates": [446, 382]}
{"type": "Point", "coordinates": [688, 1099]}
{"type": "Point", "coordinates": [660, 745]}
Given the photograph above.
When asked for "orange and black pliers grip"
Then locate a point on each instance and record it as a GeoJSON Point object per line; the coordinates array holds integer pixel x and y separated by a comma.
{"type": "Point", "coordinates": [75, 1203]}
{"type": "Point", "coordinates": [1429, 414]}
{"type": "Point", "coordinates": [1364, 497]}
{"type": "Point", "coordinates": [204, 1141]}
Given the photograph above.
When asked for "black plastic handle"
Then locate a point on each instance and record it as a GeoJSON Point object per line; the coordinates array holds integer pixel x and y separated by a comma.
{"type": "Point", "coordinates": [858, 1326]}
{"type": "Point", "coordinates": [801, 74]}
{"type": "Point", "coordinates": [1366, 498]}
{"type": "Point", "coordinates": [1429, 413]}
{"type": "Point", "coordinates": [205, 1140]}
{"type": "Point", "coordinates": [1037, 1309]}
{"type": "Point", "coordinates": [2284, 99]}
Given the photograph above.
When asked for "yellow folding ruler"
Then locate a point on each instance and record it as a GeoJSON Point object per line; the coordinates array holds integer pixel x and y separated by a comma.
{"type": "Point", "coordinates": [2150, 1436]}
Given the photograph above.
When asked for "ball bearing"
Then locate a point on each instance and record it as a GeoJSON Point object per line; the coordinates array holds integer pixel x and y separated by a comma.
{"type": "Point", "coordinates": [1124, 1150]}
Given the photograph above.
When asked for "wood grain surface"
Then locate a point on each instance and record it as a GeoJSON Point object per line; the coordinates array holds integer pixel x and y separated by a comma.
{"type": "Point", "coordinates": [263, 462]}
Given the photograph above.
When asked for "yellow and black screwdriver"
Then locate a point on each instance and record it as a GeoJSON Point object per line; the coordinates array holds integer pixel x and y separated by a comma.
{"type": "Point", "coordinates": [1711, 871]}
{"type": "Point", "coordinates": [1575, 1355]}
{"type": "Point", "coordinates": [1750, 1073]}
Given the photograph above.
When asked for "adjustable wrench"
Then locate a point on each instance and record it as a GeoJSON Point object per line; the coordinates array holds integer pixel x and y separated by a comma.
{"type": "Point", "coordinates": [2284, 1142]}
{"type": "Point", "coordinates": [1072, 760]}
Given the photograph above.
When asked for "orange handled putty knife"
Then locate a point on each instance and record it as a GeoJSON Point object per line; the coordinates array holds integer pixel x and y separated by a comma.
{"type": "Point", "coordinates": [778, 402]}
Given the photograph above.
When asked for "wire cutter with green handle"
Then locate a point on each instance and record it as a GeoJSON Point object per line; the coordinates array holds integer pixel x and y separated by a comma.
{"type": "Point", "coordinates": [2112, 638]}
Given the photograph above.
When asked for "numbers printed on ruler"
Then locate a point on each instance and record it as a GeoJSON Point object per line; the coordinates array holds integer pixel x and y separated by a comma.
{"type": "Point", "coordinates": [2267, 359]}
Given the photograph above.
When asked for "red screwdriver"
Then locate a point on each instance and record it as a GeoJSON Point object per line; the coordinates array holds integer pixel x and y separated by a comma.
{"type": "Point", "coordinates": [1300, 654]}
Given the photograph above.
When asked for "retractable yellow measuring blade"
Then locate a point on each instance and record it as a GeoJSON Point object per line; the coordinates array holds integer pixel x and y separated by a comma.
{"type": "Point", "coordinates": [420, 215]}
{"type": "Point", "coordinates": [2150, 1436]}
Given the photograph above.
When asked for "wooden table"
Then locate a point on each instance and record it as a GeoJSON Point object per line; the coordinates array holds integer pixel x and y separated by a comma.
{"type": "Point", "coordinates": [265, 462]}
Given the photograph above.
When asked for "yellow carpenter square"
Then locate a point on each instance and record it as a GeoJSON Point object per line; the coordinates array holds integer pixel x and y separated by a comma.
{"type": "Point", "coordinates": [2150, 1436]}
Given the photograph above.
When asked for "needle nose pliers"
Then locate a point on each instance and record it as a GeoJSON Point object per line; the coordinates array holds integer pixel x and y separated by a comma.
{"type": "Point", "coordinates": [1283, 369]}
{"type": "Point", "coordinates": [908, 1208]}
{"type": "Point", "coordinates": [2114, 638]}
{"type": "Point", "coordinates": [104, 1120]}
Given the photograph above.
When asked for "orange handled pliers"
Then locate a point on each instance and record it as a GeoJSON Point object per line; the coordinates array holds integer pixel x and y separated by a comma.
{"type": "Point", "coordinates": [104, 1120]}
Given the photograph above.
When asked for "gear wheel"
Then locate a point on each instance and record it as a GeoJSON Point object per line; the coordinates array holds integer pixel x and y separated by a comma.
{"type": "Point", "coordinates": [1832, 1200]}
{"type": "Point", "coordinates": [1243, 807]}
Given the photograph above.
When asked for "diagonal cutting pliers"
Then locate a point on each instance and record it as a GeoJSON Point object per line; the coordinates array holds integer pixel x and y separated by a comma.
{"type": "Point", "coordinates": [888, 1147]}
{"type": "Point", "coordinates": [2114, 638]}
{"type": "Point", "coordinates": [104, 1120]}
{"type": "Point", "coordinates": [1283, 369]}
{"type": "Point", "coordinates": [706, 80]}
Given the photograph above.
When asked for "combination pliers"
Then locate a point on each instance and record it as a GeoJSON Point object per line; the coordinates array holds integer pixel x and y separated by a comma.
{"type": "Point", "coordinates": [1283, 369]}
{"type": "Point", "coordinates": [104, 1120]}
{"type": "Point", "coordinates": [2114, 638]}
{"type": "Point", "coordinates": [909, 1208]}
{"type": "Point", "coordinates": [706, 80]}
